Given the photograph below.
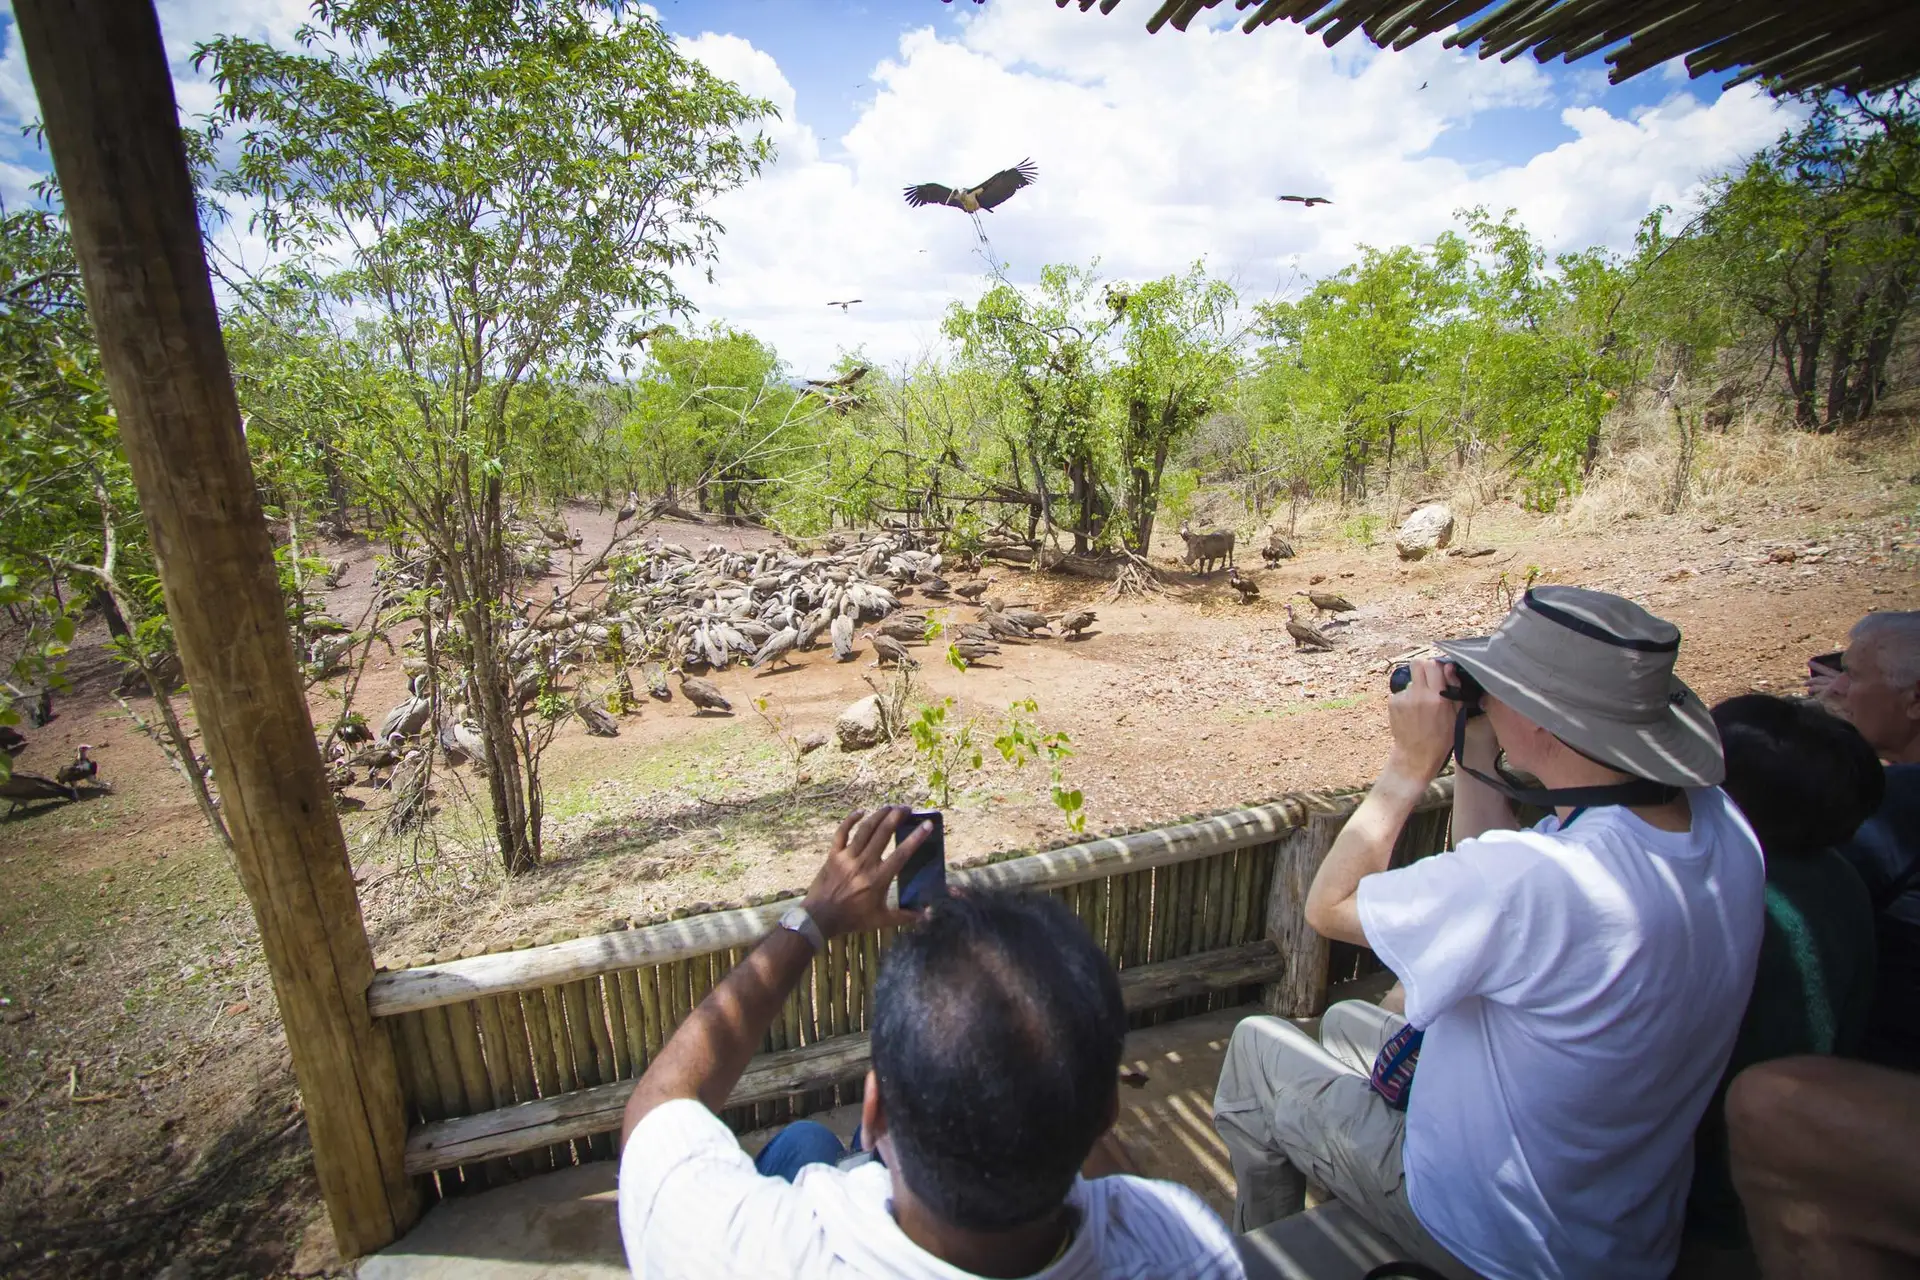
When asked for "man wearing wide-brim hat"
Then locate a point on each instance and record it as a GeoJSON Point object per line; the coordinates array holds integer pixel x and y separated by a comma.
{"type": "Point", "coordinates": [1572, 991]}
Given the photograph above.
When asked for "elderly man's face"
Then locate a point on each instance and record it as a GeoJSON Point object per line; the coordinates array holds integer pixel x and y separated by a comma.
{"type": "Point", "coordinates": [1886, 716]}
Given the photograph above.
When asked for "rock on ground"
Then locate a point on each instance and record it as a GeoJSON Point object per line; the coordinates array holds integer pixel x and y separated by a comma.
{"type": "Point", "coordinates": [859, 726]}
{"type": "Point", "coordinates": [1427, 529]}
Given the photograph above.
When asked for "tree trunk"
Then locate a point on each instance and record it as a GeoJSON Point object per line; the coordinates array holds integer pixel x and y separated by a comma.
{"type": "Point", "coordinates": [112, 125]}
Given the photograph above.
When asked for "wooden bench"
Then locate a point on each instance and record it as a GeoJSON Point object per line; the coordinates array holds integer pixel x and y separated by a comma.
{"type": "Point", "coordinates": [1328, 1242]}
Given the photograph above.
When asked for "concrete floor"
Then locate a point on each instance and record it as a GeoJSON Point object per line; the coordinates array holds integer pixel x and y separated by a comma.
{"type": "Point", "coordinates": [563, 1226]}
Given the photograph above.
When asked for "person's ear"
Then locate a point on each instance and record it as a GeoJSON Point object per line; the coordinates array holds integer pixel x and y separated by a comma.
{"type": "Point", "coordinates": [873, 1116]}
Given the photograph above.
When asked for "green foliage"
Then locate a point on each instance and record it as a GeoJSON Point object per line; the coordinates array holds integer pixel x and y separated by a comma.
{"type": "Point", "coordinates": [479, 203]}
{"type": "Point", "coordinates": [942, 748]}
{"type": "Point", "coordinates": [67, 506]}
{"type": "Point", "coordinates": [1021, 742]}
{"type": "Point", "coordinates": [1362, 529]}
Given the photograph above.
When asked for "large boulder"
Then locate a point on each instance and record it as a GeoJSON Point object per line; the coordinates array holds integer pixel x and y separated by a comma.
{"type": "Point", "coordinates": [1427, 529]}
{"type": "Point", "coordinates": [860, 726]}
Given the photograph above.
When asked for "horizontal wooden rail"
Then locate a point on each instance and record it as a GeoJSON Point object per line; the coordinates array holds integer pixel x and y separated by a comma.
{"type": "Point", "coordinates": [455, 980]}
{"type": "Point", "coordinates": [583, 1112]}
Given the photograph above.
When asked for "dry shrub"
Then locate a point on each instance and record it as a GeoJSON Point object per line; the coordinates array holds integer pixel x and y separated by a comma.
{"type": "Point", "coordinates": [1753, 463]}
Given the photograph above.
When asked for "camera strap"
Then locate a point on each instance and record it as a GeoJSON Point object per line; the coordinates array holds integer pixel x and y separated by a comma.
{"type": "Point", "coordinates": [1636, 791]}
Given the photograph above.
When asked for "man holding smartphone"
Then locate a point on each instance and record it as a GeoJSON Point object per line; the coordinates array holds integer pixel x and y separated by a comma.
{"type": "Point", "coordinates": [997, 1033]}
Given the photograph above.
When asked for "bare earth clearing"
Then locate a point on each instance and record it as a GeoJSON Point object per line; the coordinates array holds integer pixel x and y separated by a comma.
{"type": "Point", "coordinates": [146, 1108]}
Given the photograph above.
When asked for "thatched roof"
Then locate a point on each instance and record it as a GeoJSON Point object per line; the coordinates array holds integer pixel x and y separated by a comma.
{"type": "Point", "coordinates": [1859, 45]}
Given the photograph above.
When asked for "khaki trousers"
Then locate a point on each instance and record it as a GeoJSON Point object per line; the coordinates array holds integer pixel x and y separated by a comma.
{"type": "Point", "coordinates": [1291, 1108]}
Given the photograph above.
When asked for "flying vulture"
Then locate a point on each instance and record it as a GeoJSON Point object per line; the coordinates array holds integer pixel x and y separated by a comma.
{"type": "Point", "coordinates": [842, 382]}
{"type": "Point", "coordinates": [844, 305]}
{"type": "Point", "coordinates": [988, 195]}
{"type": "Point", "coordinates": [1308, 201]}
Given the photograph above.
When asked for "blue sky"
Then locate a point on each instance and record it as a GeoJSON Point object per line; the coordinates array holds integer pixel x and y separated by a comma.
{"type": "Point", "coordinates": [1153, 151]}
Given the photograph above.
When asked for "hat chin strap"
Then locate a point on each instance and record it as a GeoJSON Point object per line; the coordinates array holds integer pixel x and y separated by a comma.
{"type": "Point", "coordinates": [1636, 791]}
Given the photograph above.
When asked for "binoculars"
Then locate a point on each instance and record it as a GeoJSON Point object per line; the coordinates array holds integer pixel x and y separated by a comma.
{"type": "Point", "coordinates": [1466, 693]}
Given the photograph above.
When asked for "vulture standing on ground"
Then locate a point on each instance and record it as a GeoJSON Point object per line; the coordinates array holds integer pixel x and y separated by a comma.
{"type": "Point", "coordinates": [842, 632]}
{"type": "Point", "coordinates": [988, 195]}
{"type": "Point", "coordinates": [83, 769]}
{"type": "Point", "coordinates": [975, 650]}
{"type": "Point", "coordinates": [1328, 602]}
{"type": "Point", "coordinates": [705, 695]}
{"type": "Point", "coordinates": [1305, 634]}
{"type": "Point", "coordinates": [408, 717]}
{"type": "Point", "coordinates": [974, 590]}
{"type": "Point", "coordinates": [889, 651]}
{"type": "Point", "coordinates": [1249, 589]}
{"type": "Point", "coordinates": [1074, 622]}
{"type": "Point", "coordinates": [778, 648]}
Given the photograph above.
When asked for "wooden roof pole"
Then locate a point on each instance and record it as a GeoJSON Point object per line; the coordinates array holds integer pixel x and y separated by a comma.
{"type": "Point", "coordinates": [106, 96]}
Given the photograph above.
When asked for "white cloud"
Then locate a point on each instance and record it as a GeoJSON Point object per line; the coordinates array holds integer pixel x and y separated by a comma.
{"type": "Point", "coordinates": [1154, 151]}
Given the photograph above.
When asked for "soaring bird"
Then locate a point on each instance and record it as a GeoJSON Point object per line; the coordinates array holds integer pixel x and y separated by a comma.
{"type": "Point", "coordinates": [1305, 634]}
{"type": "Point", "coordinates": [84, 768]}
{"type": "Point", "coordinates": [844, 305]}
{"type": "Point", "coordinates": [705, 695]}
{"type": "Point", "coordinates": [988, 195]}
{"type": "Point", "coordinates": [845, 380]}
{"type": "Point", "coordinates": [1308, 201]}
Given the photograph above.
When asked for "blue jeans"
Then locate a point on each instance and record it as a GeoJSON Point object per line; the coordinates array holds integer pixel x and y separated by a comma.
{"type": "Point", "coordinates": [800, 1144]}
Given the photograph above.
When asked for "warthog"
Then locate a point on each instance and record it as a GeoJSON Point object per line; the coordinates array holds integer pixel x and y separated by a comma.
{"type": "Point", "coordinates": [1208, 549]}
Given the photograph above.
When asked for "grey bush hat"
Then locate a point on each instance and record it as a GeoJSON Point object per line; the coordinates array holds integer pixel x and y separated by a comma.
{"type": "Point", "coordinates": [1596, 671]}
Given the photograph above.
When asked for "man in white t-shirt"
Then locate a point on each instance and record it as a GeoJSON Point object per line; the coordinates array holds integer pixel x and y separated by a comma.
{"type": "Point", "coordinates": [997, 1032]}
{"type": "Point", "coordinates": [1576, 987]}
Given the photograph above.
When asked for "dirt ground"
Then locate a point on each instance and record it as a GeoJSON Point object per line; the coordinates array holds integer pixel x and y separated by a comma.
{"type": "Point", "coordinates": [147, 1115]}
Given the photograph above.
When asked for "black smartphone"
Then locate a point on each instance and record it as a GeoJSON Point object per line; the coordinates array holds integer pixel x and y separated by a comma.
{"type": "Point", "coordinates": [923, 881]}
{"type": "Point", "coordinates": [1835, 661]}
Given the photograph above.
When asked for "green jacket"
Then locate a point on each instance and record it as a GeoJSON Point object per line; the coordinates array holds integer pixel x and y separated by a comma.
{"type": "Point", "coordinates": [1811, 994]}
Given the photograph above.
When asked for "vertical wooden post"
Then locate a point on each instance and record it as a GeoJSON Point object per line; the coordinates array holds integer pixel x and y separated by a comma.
{"type": "Point", "coordinates": [1301, 991]}
{"type": "Point", "coordinates": [106, 95]}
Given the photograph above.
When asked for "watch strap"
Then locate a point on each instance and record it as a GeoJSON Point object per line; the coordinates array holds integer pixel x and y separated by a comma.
{"type": "Point", "coordinates": [799, 920]}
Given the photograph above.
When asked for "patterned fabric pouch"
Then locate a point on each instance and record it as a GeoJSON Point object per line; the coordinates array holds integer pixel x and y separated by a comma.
{"type": "Point", "coordinates": [1392, 1076]}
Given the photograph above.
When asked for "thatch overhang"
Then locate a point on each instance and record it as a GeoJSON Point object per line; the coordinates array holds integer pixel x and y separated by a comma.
{"type": "Point", "coordinates": [1857, 45]}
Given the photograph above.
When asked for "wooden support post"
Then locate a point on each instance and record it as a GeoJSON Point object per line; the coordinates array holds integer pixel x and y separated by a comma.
{"type": "Point", "coordinates": [1301, 991]}
{"type": "Point", "coordinates": [106, 96]}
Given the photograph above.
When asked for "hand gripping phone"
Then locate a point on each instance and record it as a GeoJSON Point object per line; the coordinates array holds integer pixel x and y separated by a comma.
{"type": "Point", "coordinates": [923, 881]}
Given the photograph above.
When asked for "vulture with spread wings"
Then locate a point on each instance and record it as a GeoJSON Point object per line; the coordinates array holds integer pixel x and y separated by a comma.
{"type": "Point", "coordinates": [988, 195]}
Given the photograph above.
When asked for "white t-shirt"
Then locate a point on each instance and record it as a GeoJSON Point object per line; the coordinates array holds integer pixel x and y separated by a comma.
{"type": "Point", "coordinates": [1580, 992]}
{"type": "Point", "coordinates": [692, 1207]}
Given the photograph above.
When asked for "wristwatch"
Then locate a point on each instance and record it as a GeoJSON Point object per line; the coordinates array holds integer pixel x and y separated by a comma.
{"type": "Point", "coordinates": [798, 921]}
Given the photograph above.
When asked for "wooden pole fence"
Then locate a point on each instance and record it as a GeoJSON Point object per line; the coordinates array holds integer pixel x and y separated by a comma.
{"type": "Point", "coordinates": [113, 128]}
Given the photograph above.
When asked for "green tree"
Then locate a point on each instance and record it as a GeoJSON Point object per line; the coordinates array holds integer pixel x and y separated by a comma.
{"type": "Point", "coordinates": [507, 189]}
{"type": "Point", "coordinates": [68, 513]}
{"type": "Point", "coordinates": [1177, 357]}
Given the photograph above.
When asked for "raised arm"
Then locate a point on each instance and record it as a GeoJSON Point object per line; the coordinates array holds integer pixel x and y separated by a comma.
{"type": "Point", "coordinates": [1422, 723]}
{"type": "Point", "coordinates": [705, 1057]}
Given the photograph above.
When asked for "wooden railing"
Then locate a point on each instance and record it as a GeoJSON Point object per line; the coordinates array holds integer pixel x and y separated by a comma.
{"type": "Point", "coordinates": [521, 1060]}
